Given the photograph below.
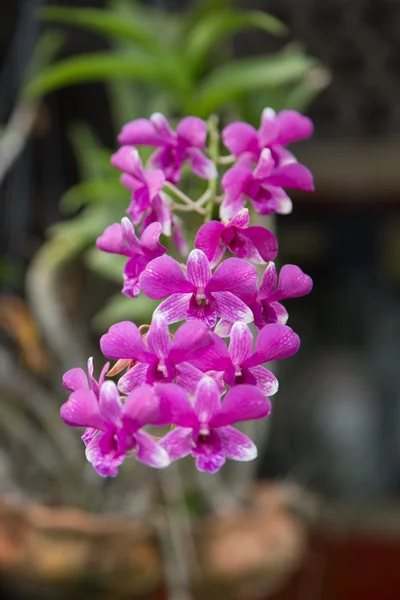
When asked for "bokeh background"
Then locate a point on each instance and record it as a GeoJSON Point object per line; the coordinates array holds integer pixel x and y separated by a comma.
{"type": "Point", "coordinates": [333, 442]}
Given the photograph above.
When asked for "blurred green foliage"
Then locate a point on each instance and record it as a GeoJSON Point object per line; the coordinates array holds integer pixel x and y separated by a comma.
{"type": "Point", "coordinates": [177, 64]}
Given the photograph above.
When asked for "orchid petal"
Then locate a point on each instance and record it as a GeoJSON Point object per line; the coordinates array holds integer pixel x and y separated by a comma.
{"type": "Point", "coordinates": [134, 377]}
{"type": "Point", "coordinates": [264, 166]}
{"type": "Point", "coordinates": [175, 403]}
{"type": "Point", "coordinates": [269, 127]}
{"type": "Point", "coordinates": [292, 283]}
{"type": "Point", "coordinates": [236, 445]}
{"type": "Point", "coordinates": [207, 400]}
{"type": "Point", "coordinates": [110, 404]}
{"type": "Point", "coordinates": [242, 403]}
{"type": "Point", "coordinates": [123, 340]}
{"type": "Point", "coordinates": [198, 269]}
{"type": "Point", "coordinates": [209, 454]}
{"type": "Point", "coordinates": [268, 282]}
{"type": "Point", "coordinates": [208, 239]}
{"type": "Point", "coordinates": [75, 379]}
{"type": "Point", "coordinates": [111, 240]}
{"type": "Point", "coordinates": [292, 127]}
{"type": "Point", "coordinates": [231, 308]}
{"type": "Point", "coordinates": [157, 338]}
{"type": "Point", "coordinates": [161, 125]}
{"type": "Point", "coordinates": [162, 277]}
{"type": "Point", "coordinates": [276, 313]}
{"type": "Point", "coordinates": [191, 340]}
{"type": "Point", "coordinates": [174, 308]}
{"type": "Point", "coordinates": [258, 242]}
{"type": "Point", "coordinates": [142, 407]}
{"type": "Point", "coordinates": [193, 131]}
{"type": "Point", "coordinates": [178, 443]}
{"type": "Point", "coordinates": [149, 452]}
{"type": "Point", "coordinates": [241, 343]}
{"type": "Point", "coordinates": [292, 175]}
{"type": "Point", "coordinates": [240, 137]}
{"type": "Point", "coordinates": [140, 132]}
{"type": "Point", "coordinates": [273, 343]}
{"type": "Point", "coordinates": [215, 358]}
{"type": "Point", "coordinates": [235, 275]}
{"type": "Point", "coordinates": [265, 380]}
{"type": "Point", "coordinates": [127, 159]}
{"type": "Point", "coordinates": [82, 410]}
{"type": "Point", "coordinates": [188, 376]}
{"type": "Point", "coordinates": [105, 463]}
{"type": "Point", "coordinates": [201, 165]}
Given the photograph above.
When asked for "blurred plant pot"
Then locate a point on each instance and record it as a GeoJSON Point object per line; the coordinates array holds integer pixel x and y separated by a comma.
{"type": "Point", "coordinates": [245, 554]}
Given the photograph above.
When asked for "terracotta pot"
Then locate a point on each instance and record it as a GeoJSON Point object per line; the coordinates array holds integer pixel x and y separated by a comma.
{"type": "Point", "coordinates": [244, 554]}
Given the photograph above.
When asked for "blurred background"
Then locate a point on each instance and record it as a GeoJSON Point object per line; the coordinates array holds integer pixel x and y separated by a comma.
{"type": "Point", "coordinates": [329, 474]}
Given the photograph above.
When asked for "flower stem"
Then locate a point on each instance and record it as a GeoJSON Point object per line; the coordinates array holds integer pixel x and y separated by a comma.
{"type": "Point", "coordinates": [213, 151]}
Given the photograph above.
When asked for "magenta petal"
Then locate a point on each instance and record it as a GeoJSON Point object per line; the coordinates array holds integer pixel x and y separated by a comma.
{"type": "Point", "coordinates": [262, 240]}
{"type": "Point", "coordinates": [223, 328]}
{"type": "Point", "coordinates": [201, 165]}
{"type": "Point", "coordinates": [158, 339]}
{"type": "Point", "coordinates": [191, 340]}
{"type": "Point", "coordinates": [104, 458]}
{"type": "Point", "coordinates": [198, 269]}
{"type": "Point", "coordinates": [175, 308]}
{"type": "Point", "coordinates": [236, 445]}
{"type": "Point", "coordinates": [140, 132]}
{"type": "Point", "coordinates": [149, 452]}
{"type": "Point", "coordinates": [208, 240]}
{"type": "Point", "coordinates": [155, 182]}
{"type": "Point", "coordinates": [215, 358]}
{"type": "Point", "coordinates": [205, 313]}
{"type": "Point", "coordinates": [123, 340]}
{"type": "Point", "coordinates": [150, 243]}
{"type": "Point", "coordinates": [82, 410]}
{"type": "Point", "coordinates": [264, 166]}
{"type": "Point", "coordinates": [241, 220]}
{"type": "Point", "coordinates": [129, 236]}
{"type": "Point", "coordinates": [241, 343]}
{"type": "Point", "coordinates": [293, 283]}
{"type": "Point", "coordinates": [242, 403]}
{"type": "Point", "coordinates": [142, 407]}
{"type": "Point", "coordinates": [279, 313]}
{"type": "Point", "coordinates": [235, 181]}
{"type": "Point", "coordinates": [112, 241]}
{"type": "Point", "coordinates": [193, 131]}
{"type": "Point", "coordinates": [235, 275]}
{"type": "Point", "coordinates": [75, 379]}
{"type": "Point", "coordinates": [231, 308]}
{"type": "Point", "coordinates": [240, 137]}
{"type": "Point", "coordinates": [110, 404]}
{"type": "Point", "coordinates": [293, 126]}
{"type": "Point", "coordinates": [175, 403]}
{"type": "Point", "coordinates": [161, 125]}
{"type": "Point", "coordinates": [188, 376]}
{"type": "Point", "coordinates": [135, 377]}
{"type": "Point", "coordinates": [209, 454]}
{"type": "Point", "coordinates": [207, 400]}
{"type": "Point", "coordinates": [269, 128]}
{"type": "Point", "coordinates": [273, 343]}
{"type": "Point", "coordinates": [127, 159]}
{"type": "Point", "coordinates": [162, 277]}
{"type": "Point", "coordinates": [292, 175]}
{"type": "Point", "coordinates": [178, 443]}
{"type": "Point", "coordinates": [268, 282]}
{"type": "Point", "coordinates": [231, 206]}
{"type": "Point", "coordinates": [265, 380]}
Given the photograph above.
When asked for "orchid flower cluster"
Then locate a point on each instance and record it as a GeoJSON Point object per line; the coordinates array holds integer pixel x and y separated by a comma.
{"type": "Point", "coordinates": [191, 383]}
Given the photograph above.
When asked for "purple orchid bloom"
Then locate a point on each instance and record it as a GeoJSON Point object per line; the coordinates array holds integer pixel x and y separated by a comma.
{"type": "Point", "coordinates": [160, 359]}
{"type": "Point", "coordinates": [116, 426]}
{"type": "Point", "coordinates": [148, 204]}
{"type": "Point", "coordinates": [204, 427]}
{"type": "Point", "coordinates": [292, 283]}
{"type": "Point", "coordinates": [241, 365]}
{"type": "Point", "coordinates": [255, 243]}
{"type": "Point", "coordinates": [276, 131]}
{"type": "Point", "coordinates": [263, 185]}
{"type": "Point", "coordinates": [200, 295]}
{"type": "Point", "coordinates": [121, 239]}
{"type": "Point", "coordinates": [174, 149]}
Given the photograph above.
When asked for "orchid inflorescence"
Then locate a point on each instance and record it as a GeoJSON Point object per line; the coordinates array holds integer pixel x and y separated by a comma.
{"type": "Point", "coordinates": [192, 381]}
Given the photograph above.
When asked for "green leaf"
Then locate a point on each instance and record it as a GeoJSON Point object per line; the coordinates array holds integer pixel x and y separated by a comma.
{"type": "Point", "coordinates": [216, 25]}
{"type": "Point", "coordinates": [93, 191]}
{"type": "Point", "coordinates": [239, 77]}
{"type": "Point", "coordinates": [131, 28]}
{"type": "Point", "coordinates": [98, 66]}
{"type": "Point", "coordinates": [106, 22]}
{"type": "Point", "coordinates": [121, 308]}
